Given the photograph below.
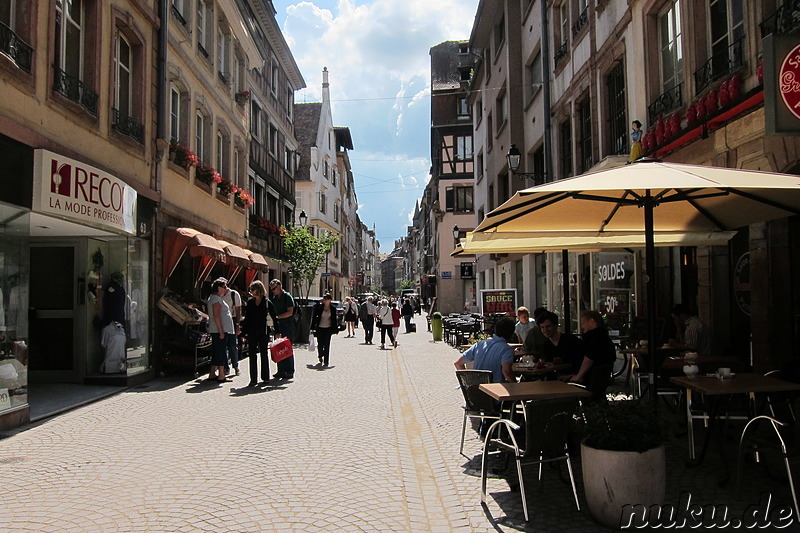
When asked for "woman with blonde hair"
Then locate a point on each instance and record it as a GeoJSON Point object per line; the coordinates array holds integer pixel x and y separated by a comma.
{"type": "Point", "coordinates": [258, 312]}
{"type": "Point", "coordinates": [387, 323]}
{"type": "Point", "coordinates": [350, 316]}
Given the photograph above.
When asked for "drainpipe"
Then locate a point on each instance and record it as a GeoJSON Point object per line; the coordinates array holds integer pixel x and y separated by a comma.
{"type": "Point", "coordinates": [548, 152]}
{"type": "Point", "coordinates": [162, 145]}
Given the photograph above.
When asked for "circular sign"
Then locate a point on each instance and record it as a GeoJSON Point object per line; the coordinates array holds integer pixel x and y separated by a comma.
{"type": "Point", "coordinates": [789, 77]}
{"type": "Point", "coordinates": [741, 283]}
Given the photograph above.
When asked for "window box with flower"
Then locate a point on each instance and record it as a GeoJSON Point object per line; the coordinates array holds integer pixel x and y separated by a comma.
{"type": "Point", "coordinates": [180, 154]}
{"type": "Point", "coordinates": [207, 174]}
{"type": "Point", "coordinates": [242, 198]}
{"type": "Point", "coordinates": [224, 189]}
{"type": "Point", "coordinates": [242, 97]}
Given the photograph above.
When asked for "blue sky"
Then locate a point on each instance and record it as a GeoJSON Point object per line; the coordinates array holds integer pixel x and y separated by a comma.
{"type": "Point", "coordinates": [377, 54]}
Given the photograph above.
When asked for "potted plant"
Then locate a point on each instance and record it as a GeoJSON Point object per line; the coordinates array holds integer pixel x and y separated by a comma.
{"type": "Point", "coordinates": [225, 187]}
{"type": "Point", "coordinates": [242, 198]}
{"type": "Point", "coordinates": [622, 458]}
{"type": "Point", "coordinates": [182, 156]}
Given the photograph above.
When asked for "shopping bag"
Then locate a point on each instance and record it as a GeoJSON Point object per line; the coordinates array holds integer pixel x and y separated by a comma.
{"type": "Point", "coordinates": [311, 342]}
{"type": "Point", "coordinates": [280, 349]}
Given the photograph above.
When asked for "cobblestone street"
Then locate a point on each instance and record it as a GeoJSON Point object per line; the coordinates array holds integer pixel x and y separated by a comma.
{"type": "Point", "coordinates": [369, 444]}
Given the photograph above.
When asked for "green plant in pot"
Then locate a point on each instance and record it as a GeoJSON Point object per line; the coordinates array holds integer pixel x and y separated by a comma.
{"type": "Point", "coordinates": [622, 458]}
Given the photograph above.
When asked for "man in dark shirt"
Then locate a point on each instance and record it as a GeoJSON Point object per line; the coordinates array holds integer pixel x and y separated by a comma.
{"type": "Point", "coordinates": [599, 355]}
{"type": "Point", "coordinates": [566, 347]}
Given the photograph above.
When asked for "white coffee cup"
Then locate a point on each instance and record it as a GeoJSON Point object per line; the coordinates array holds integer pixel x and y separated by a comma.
{"type": "Point", "coordinates": [724, 373]}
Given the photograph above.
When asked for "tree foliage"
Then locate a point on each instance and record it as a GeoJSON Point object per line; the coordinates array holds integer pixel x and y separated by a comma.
{"type": "Point", "coordinates": [406, 284]}
{"type": "Point", "coordinates": [305, 254]}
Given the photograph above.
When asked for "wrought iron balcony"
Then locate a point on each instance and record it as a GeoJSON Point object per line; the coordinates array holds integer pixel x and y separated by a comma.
{"type": "Point", "coordinates": [178, 16]}
{"type": "Point", "coordinates": [561, 53]}
{"type": "Point", "coordinates": [719, 65]}
{"type": "Point", "coordinates": [583, 19]}
{"type": "Point", "coordinates": [665, 102]}
{"type": "Point", "coordinates": [785, 19]}
{"type": "Point", "coordinates": [74, 89]}
{"type": "Point", "coordinates": [15, 48]}
{"type": "Point", "coordinates": [127, 126]}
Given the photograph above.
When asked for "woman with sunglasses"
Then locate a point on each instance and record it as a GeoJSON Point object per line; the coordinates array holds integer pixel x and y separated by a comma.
{"type": "Point", "coordinates": [259, 312]}
{"type": "Point", "coordinates": [324, 326]}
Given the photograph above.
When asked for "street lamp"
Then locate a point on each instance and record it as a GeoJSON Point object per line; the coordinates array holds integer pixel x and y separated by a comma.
{"type": "Point", "coordinates": [513, 158]}
{"type": "Point", "coordinates": [456, 235]}
{"type": "Point", "coordinates": [303, 218]}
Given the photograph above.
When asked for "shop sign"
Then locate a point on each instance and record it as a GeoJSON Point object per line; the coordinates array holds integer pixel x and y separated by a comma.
{"type": "Point", "coordinates": [5, 399]}
{"type": "Point", "coordinates": [74, 190]}
{"type": "Point", "coordinates": [495, 301]}
{"type": "Point", "coordinates": [782, 84]}
{"type": "Point", "coordinates": [467, 270]}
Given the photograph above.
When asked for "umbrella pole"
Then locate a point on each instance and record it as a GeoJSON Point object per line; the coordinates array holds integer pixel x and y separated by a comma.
{"type": "Point", "coordinates": [565, 287]}
{"type": "Point", "coordinates": [650, 268]}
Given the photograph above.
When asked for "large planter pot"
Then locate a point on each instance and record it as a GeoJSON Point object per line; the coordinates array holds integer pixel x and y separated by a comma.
{"type": "Point", "coordinates": [612, 480]}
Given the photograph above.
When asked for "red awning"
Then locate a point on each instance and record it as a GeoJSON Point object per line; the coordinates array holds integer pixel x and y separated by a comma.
{"type": "Point", "coordinates": [178, 240]}
{"type": "Point", "coordinates": [257, 261]}
{"type": "Point", "coordinates": [234, 254]}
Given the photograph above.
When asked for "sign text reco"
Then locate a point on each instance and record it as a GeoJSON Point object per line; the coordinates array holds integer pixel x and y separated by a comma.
{"type": "Point", "coordinates": [71, 189]}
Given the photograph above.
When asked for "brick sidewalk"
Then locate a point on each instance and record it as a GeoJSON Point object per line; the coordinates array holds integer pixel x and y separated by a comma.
{"type": "Point", "coordinates": [370, 444]}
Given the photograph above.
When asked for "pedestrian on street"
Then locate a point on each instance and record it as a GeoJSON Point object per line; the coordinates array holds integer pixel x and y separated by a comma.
{"type": "Point", "coordinates": [234, 301]}
{"type": "Point", "coordinates": [408, 314]}
{"type": "Point", "coordinates": [323, 326]}
{"type": "Point", "coordinates": [259, 312]}
{"type": "Point", "coordinates": [395, 320]}
{"type": "Point", "coordinates": [385, 319]}
{"type": "Point", "coordinates": [367, 315]}
{"type": "Point", "coordinates": [220, 326]}
{"type": "Point", "coordinates": [350, 316]}
{"type": "Point", "coordinates": [284, 312]}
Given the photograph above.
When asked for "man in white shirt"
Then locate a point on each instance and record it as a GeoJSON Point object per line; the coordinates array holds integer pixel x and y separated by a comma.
{"type": "Point", "coordinates": [234, 301]}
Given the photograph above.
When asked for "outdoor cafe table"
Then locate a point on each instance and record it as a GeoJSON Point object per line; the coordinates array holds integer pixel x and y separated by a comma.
{"type": "Point", "coordinates": [532, 390]}
{"type": "Point", "coordinates": [749, 384]}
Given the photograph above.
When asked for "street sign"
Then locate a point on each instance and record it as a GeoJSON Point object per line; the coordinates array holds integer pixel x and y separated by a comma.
{"type": "Point", "coordinates": [447, 274]}
{"type": "Point", "coordinates": [326, 274]}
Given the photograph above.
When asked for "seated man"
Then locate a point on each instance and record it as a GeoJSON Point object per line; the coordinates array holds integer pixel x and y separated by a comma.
{"type": "Point", "coordinates": [560, 347]}
{"type": "Point", "coordinates": [599, 355]}
{"type": "Point", "coordinates": [492, 354]}
{"type": "Point", "coordinates": [693, 335]}
{"type": "Point", "coordinates": [535, 340]}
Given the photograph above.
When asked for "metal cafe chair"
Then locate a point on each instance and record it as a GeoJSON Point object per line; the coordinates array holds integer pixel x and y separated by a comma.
{"type": "Point", "coordinates": [764, 434]}
{"type": "Point", "coordinates": [476, 403]}
{"type": "Point", "coordinates": [547, 424]}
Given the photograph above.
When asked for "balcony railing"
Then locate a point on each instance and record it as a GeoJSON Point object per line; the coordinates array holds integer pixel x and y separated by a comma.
{"type": "Point", "coordinates": [178, 16]}
{"type": "Point", "coordinates": [74, 89]}
{"type": "Point", "coordinates": [15, 48]}
{"type": "Point", "coordinates": [202, 49]}
{"type": "Point", "coordinates": [583, 18]}
{"type": "Point", "coordinates": [224, 77]}
{"type": "Point", "coordinates": [127, 126]}
{"type": "Point", "coordinates": [665, 102]}
{"type": "Point", "coordinates": [561, 53]}
{"type": "Point", "coordinates": [785, 19]}
{"type": "Point", "coordinates": [719, 65]}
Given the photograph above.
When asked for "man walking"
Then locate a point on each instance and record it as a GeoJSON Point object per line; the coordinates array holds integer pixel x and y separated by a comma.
{"type": "Point", "coordinates": [283, 303]}
{"type": "Point", "coordinates": [367, 316]}
{"type": "Point", "coordinates": [234, 301]}
{"type": "Point", "coordinates": [220, 326]}
{"type": "Point", "coordinates": [408, 313]}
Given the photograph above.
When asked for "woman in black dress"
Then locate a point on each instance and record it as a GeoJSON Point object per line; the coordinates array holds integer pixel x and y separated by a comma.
{"type": "Point", "coordinates": [254, 325]}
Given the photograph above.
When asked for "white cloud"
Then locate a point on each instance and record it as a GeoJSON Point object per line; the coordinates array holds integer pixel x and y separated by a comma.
{"type": "Point", "coordinates": [377, 53]}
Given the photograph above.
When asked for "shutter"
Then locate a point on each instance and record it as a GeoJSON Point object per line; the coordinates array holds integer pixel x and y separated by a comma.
{"type": "Point", "coordinates": [449, 199]}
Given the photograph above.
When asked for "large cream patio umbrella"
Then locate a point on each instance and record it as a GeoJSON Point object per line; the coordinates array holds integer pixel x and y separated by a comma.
{"type": "Point", "coordinates": [649, 197]}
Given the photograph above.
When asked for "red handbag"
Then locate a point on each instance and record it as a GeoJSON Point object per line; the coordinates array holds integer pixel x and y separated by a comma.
{"type": "Point", "coordinates": [280, 349]}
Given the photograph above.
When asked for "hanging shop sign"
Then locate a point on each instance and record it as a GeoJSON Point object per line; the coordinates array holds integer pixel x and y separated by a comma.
{"type": "Point", "coordinates": [467, 270]}
{"type": "Point", "coordinates": [74, 190]}
{"type": "Point", "coordinates": [494, 301]}
{"type": "Point", "coordinates": [782, 84]}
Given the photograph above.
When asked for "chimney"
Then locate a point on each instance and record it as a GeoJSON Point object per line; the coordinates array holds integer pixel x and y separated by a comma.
{"type": "Point", "coordinates": [326, 92]}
